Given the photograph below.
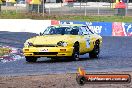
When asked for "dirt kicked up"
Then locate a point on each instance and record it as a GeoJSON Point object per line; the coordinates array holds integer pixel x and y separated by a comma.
{"type": "Point", "coordinates": [55, 81]}
{"type": "Point", "coordinates": [8, 54]}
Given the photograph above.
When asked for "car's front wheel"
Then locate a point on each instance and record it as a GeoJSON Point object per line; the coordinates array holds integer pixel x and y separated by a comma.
{"type": "Point", "coordinates": [31, 59]}
{"type": "Point", "coordinates": [96, 50]}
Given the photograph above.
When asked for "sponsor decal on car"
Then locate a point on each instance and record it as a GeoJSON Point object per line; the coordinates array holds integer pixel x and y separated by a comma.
{"type": "Point", "coordinates": [44, 50]}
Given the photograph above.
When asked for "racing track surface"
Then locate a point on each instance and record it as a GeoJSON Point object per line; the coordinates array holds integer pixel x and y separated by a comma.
{"type": "Point", "coordinates": [116, 55]}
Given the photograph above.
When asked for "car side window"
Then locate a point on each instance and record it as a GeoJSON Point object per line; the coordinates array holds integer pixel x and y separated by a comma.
{"type": "Point", "coordinates": [85, 30]}
{"type": "Point", "coordinates": [68, 30]}
{"type": "Point", "coordinates": [74, 31]}
{"type": "Point", "coordinates": [80, 31]}
{"type": "Point", "coordinates": [89, 30]}
{"type": "Point", "coordinates": [52, 31]}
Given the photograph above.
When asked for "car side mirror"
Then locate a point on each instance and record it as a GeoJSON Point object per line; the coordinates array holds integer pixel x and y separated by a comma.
{"type": "Point", "coordinates": [40, 33]}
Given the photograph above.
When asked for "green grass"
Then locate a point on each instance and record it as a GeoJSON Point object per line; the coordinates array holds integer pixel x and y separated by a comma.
{"type": "Point", "coordinates": [14, 15]}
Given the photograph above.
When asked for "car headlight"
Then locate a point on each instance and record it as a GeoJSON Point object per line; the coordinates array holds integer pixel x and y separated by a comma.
{"type": "Point", "coordinates": [28, 44]}
{"type": "Point", "coordinates": [62, 43]}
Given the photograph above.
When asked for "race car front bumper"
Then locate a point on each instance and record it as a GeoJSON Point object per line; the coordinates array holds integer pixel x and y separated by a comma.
{"type": "Point", "coordinates": [48, 51]}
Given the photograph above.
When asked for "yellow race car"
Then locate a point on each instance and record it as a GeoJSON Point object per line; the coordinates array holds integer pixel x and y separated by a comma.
{"type": "Point", "coordinates": [63, 41]}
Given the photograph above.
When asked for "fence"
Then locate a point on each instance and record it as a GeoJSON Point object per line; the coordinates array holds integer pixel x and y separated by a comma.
{"type": "Point", "coordinates": [88, 8]}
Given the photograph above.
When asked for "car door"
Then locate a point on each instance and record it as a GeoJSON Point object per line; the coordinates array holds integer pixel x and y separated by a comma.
{"type": "Point", "coordinates": [78, 37]}
{"type": "Point", "coordinates": [86, 33]}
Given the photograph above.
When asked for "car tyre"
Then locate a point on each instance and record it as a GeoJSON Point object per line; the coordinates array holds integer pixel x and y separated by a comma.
{"type": "Point", "coordinates": [75, 54]}
{"type": "Point", "coordinates": [96, 50]}
{"type": "Point", "coordinates": [31, 59]}
{"type": "Point", "coordinates": [81, 80]}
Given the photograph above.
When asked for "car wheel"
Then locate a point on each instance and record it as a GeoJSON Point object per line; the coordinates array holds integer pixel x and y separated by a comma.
{"type": "Point", "coordinates": [31, 59]}
{"type": "Point", "coordinates": [75, 54]}
{"type": "Point", "coordinates": [96, 50]}
{"type": "Point", "coordinates": [81, 80]}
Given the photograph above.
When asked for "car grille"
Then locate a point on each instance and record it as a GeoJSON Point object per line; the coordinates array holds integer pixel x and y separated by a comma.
{"type": "Point", "coordinates": [44, 45]}
{"type": "Point", "coordinates": [45, 53]}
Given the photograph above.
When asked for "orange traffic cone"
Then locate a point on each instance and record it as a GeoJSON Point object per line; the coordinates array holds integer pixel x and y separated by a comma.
{"type": "Point", "coordinates": [81, 71]}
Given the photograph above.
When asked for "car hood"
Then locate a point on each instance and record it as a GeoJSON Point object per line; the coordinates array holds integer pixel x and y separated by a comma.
{"type": "Point", "coordinates": [51, 39]}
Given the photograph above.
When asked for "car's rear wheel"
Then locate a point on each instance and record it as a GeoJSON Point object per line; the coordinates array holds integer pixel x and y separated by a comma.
{"type": "Point", "coordinates": [96, 50]}
{"type": "Point", "coordinates": [75, 55]}
{"type": "Point", "coordinates": [31, 59]}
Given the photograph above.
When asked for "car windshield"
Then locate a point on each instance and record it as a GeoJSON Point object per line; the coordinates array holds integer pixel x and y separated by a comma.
{"type": "Point", "coordinates": [60, 30]}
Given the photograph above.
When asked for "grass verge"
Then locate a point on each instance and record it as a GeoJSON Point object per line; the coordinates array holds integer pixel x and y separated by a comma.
{"type": "Point", "coordinates": [14, 15]}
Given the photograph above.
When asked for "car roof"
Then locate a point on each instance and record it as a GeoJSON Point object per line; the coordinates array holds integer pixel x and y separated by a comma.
{"type": "Point", "coordinates": [68, 25]}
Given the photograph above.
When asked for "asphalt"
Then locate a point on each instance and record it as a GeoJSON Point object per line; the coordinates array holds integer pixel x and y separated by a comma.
{"type": "Point", "coordinates": [116, 55]}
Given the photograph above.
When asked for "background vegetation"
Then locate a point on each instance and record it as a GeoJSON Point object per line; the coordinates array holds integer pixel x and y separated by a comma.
{"type": "Point", "coordinates": [14, 15]}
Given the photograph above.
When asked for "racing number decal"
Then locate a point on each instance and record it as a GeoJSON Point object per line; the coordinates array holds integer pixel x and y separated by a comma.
{"type": "Point", "coordinates": [87, 43]}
